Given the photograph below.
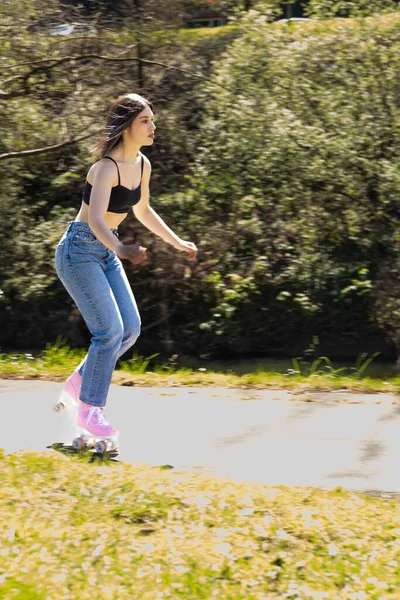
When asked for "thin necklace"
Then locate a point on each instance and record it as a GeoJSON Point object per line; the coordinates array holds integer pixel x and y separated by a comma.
{"type": "Point", "coordinates": [127, 162]}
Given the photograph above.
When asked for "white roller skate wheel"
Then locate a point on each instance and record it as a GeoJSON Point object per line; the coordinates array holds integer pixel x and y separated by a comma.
{"type": "Point", "coordinates": [59, 407]}
{"type": "Point", "coordinates": [101, 447]}
{"type": "Point", "coordinates": [78, 444]}
{"type": "Point", "coordinates": [114, 446]}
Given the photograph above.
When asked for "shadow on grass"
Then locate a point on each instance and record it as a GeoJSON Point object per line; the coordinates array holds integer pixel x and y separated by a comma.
{"type": "Point", "coordinates": [89, 455]}
{"type": "Point", "coordinates": [85, 455]}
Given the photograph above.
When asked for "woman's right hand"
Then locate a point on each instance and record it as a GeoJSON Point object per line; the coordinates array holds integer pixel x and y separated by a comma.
{"type": "Point", "coordinates": [135, 253]}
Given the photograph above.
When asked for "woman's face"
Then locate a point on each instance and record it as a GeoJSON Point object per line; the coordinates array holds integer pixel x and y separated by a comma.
{"type": "Point", "coordinates": [142, 129]}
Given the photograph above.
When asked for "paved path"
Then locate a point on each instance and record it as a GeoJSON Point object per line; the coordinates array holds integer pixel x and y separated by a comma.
{"type": "Point", "coordinates": [271, 437]}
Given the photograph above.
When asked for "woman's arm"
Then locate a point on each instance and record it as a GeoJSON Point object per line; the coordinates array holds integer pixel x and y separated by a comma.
{"type": "Point", "coordinates": [99, 199]}
{"type": "Point", "coordinates": [146, 215]}
{"type": "Point", "coordinates": [154, 223]}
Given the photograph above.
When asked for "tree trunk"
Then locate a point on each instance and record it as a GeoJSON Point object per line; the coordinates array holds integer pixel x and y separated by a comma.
{"type": "Point", "coordinates": [139, 52]}
{"type": "Point", "coordinates": [289, 10]}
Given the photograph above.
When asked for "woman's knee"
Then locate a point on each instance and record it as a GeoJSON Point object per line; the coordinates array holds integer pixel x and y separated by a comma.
{"type": "Point", "coordinates": [112, 336]}
{"type": "Point", "coordinates": [132, 333]}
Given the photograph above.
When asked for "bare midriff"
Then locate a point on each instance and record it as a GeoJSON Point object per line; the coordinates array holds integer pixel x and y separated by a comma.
{"type": "Point", "coordinates": [111, 219]}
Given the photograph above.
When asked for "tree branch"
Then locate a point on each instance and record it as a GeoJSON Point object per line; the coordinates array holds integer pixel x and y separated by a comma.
{"type": "Point", "coordinates": [46, 60]}
{"type": "Point", "coordinates": [83, 57]}
{"type": "Point", "coordinates": [162, 320]}
{"type": "Point", "coordinates": [46, 148]}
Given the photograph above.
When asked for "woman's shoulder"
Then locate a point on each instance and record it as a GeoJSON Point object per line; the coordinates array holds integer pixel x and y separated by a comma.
{"type": "Point", "coordinates": [146, 161]}
{"type": "Point", "coordinates": [101, 165]}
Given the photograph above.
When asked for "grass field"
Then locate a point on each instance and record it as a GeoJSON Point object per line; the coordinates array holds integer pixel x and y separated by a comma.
{"type": "Point", "coordinates": [57, 361]}
{"type": "Point", "coordinates": [72, 529]}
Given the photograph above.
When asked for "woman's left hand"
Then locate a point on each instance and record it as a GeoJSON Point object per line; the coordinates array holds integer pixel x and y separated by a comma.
{"type": "Point", "coordinates": [188, 247]}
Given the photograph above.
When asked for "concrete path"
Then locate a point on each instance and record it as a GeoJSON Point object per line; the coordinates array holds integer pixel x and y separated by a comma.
{"type": "Point", "coordinates": [271, 437]}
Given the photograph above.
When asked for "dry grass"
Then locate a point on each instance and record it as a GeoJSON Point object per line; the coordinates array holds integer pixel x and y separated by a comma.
{"type": "Point", "coordinates": [70, 529]}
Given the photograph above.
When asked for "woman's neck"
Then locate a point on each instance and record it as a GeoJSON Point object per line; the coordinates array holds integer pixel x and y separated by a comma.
{"type": "Point", "coordinates": [127, 154]}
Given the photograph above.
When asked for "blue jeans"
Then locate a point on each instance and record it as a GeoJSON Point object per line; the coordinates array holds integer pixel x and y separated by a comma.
{"type": "Point", "coordinates": [95, 279]}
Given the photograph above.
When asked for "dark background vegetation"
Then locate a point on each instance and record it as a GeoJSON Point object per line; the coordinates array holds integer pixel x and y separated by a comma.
{"type": "Point", "coordinates": [277, 153]}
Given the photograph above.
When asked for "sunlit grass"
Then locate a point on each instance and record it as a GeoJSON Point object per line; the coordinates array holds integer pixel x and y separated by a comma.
{"type": "Point", "coordinates": [192, 34]}
{"type": "Point", "coordinates": [313, 25]}
{"type": "Point", "coordinates": [58, 361]}
{"type": "Point", "coordinates": [132, 531]}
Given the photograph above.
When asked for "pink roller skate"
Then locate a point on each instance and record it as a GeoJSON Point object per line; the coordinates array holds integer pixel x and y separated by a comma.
{"type": "Point", "coordinates": [70, 393]}
{"type": "Point", "coordinates": [94, 430]}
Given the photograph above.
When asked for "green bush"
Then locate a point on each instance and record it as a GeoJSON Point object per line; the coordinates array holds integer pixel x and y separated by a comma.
{"type": "Point", "coordinates": [298, 175]}
{"type": "Point", "coordinates": [328, 9]}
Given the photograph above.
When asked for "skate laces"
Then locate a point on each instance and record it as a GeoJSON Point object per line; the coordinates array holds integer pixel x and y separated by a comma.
{"type": "Point", "coordinates": [98, 412]}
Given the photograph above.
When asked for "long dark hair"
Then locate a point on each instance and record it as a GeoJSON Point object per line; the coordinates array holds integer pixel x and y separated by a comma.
{"type": "Point", "coordinates": [121, 114]}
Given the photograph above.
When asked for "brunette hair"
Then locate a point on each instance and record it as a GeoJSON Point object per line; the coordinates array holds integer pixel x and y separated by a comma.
{"type": "Point", "coordinates": [121, 114]}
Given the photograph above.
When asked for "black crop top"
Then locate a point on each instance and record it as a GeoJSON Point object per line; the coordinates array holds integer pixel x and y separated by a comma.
{"type": "Point", "coordinates": [121, 197]}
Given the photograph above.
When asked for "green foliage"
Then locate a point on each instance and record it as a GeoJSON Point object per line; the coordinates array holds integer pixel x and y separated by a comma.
{"type": "Point", "coordinates": [328, 9]}
{"type": "Point", "coordinates": [284, 170]}
{"type": "Point", "coordinates": [59, 354]}
{"type": "Point", "coordinates": [52, 94]}
{"type": "Point", "coordinates": [362, 363]}
{"type": "Point", "coordinates": [15, 589]}
{"type": "Point", "coordinates": [298, 171]}
{"type": "Point", "coordinates": [322, 365]}
{"type": "Point", "coordinates": [137, 364]}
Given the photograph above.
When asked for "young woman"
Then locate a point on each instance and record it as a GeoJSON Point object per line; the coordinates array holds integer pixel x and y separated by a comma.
{"type": "Point", "coordinates": [88, 255]}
